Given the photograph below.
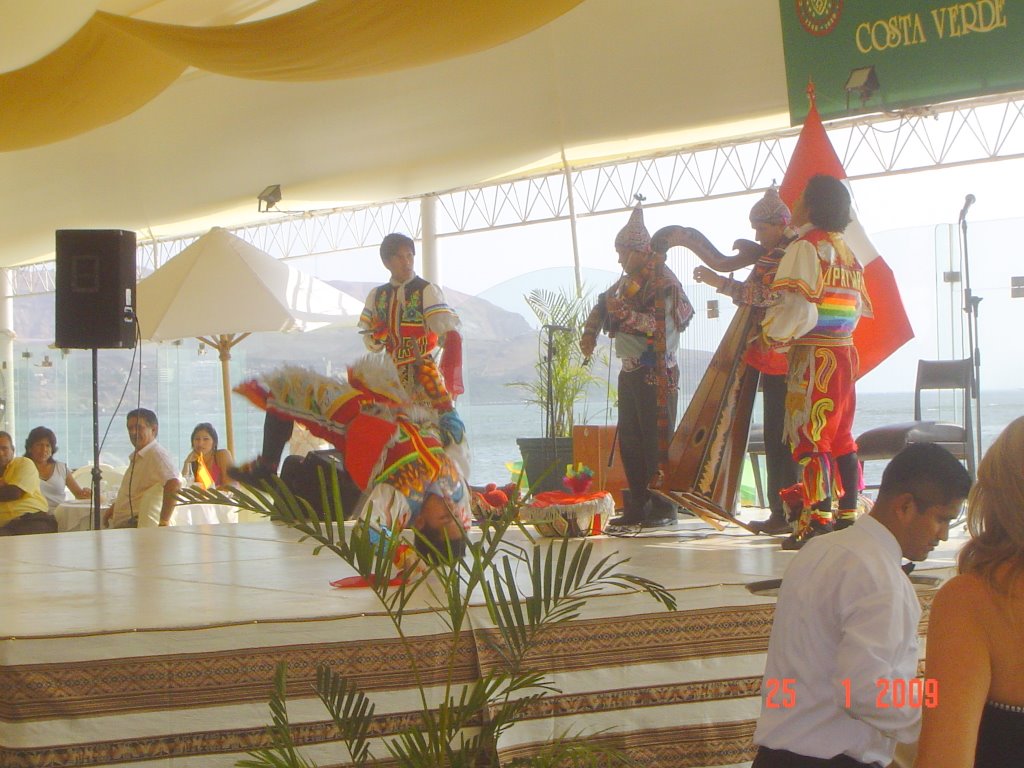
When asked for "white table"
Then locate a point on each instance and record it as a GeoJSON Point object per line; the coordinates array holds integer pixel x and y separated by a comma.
{"type": "Point", "coordinates": [77, 515]}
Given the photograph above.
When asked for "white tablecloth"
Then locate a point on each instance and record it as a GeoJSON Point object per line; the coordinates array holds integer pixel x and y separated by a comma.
{"type": "Point", "coordinates": [77, 515]}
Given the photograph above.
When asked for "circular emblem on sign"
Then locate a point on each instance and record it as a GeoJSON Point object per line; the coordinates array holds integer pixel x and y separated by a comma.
{"type": "Point", "coordinates": [819, 17]}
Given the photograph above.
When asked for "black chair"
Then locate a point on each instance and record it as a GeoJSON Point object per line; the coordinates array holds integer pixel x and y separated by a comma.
{"type": "Point", "coordinates": [882, 443]}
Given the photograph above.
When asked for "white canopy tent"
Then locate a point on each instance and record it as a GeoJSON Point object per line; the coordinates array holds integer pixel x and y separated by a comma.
{"type": "Point", "coordinates": [220, 289]}
{"type": "Point", "coordinates": [445, 99]}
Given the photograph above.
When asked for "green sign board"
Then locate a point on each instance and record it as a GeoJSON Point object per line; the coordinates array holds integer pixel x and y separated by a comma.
{"type": "Point", "coordinates": [873, 55]}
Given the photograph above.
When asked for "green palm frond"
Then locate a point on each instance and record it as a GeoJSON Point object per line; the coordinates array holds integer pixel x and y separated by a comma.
{"type": "Point", "coordinates": [351, 711]}
{"type": "Point", "coordinates": [571, 377]}
{"type": "Point", "coordinates": [527, 588]}
{"type": "Point", "coordinates": [282, 752]}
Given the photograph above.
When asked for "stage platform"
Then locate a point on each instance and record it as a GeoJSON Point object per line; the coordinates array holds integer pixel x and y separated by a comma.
{"type": "Point", "coordinates": [156, 648]}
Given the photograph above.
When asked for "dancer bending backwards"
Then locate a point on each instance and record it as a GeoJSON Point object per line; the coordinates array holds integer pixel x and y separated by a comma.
{"type": "Point", "coordinates": [410, 469]}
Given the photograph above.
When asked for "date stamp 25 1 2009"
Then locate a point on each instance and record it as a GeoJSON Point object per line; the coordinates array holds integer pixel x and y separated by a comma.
{"type": "Point", "coordinates": [898, 692]}
{"type": "Point", "coordinates": [780, 693]}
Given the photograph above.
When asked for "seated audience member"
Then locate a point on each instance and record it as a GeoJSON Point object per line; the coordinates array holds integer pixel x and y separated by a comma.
{"type": "Point", "coordinates": [847, 617]}
{"type": "Point", "coordinates": [22, 506]}
{"type": "Point", "coordinates": [150, 487]}
{"type": "Point", "coordinates": [976, 627]}
{"type": "Point", "coordinates": [207, 465]}
{"type": "Point", "coordinates": [54, 477]}
{"type": "Point", "coordinates": [402, 456]}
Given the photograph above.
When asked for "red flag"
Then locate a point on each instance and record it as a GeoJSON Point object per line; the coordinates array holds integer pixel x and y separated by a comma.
{"type": "Point", "coordinates": [878, 337]}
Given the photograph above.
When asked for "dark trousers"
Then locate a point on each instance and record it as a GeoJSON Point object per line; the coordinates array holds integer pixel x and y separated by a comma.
{"type": "Point", "coordinates": [781, 758]}
{"type": "Point", "coordinates": [638, 431]}
{"type": "Point", "coordinates": [33, 522]}
{"type": "Point", "coordinates": [783, 471]}
{"type": "Point", "coordinates": [277, 431]}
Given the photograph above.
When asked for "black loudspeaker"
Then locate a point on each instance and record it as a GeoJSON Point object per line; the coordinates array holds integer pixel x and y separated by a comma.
{"type": "Point", "coordinates": [95, 289]}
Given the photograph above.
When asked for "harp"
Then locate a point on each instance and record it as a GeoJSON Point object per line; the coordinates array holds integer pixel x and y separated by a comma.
{"type": "Point", "coordinates": [705, 455]}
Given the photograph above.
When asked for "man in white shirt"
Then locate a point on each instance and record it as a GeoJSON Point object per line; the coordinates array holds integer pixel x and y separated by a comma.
{"type": "Point", "coordinates": [844, 636]}
{"type": "Point", "coordinates": [149, 489]}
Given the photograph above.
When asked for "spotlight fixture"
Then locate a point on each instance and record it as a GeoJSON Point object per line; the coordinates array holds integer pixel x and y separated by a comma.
{"type": "Point", "coordinates": [863, 81]}
{"type": "Point", "coordinates": [268, 198]}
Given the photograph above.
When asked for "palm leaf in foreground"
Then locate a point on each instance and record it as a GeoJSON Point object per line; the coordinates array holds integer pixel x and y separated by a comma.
{"type": "Point", "coordinates": [282, 752]}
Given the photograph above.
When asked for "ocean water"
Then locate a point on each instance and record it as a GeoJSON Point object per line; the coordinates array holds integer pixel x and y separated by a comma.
{"type": "Point", "coordinates": [493, 429]}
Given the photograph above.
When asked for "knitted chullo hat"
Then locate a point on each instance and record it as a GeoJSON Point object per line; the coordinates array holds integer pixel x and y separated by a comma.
{"type": "Point", "coordinates": [634, 236]}
{"type": "Point", "coordinates": [770, 209]}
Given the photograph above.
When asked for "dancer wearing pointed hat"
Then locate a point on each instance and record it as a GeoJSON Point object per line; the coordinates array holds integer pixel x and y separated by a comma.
{"type": "Point", "coordinates": [770, 219]}
{"type": "Point", "coordinates": [644, 312]}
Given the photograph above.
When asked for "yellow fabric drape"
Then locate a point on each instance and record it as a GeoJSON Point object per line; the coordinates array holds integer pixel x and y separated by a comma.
{"type": "Point", "coordinates": [116, 64]}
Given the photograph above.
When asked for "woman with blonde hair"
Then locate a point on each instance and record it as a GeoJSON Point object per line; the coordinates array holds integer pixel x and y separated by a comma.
{"type": "Point", "coordinates": [976, 628]}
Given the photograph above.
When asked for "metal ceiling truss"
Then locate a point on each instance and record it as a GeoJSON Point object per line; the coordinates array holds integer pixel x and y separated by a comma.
{"type": "Point", "coordinates": [979, 130]}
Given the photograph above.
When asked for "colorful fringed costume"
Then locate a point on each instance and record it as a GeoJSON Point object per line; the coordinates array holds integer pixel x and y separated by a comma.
{"type": "Point", "coordinates": [822, 297]}
{"type": "Point", "coordinates": [397, 452]}
{"type": "Point", "coordinates": [651, 311]}
{"type": "Point", "coordinates": [409, 320]}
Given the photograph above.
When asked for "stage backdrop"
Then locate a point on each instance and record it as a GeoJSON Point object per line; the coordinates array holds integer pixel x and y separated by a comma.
{"type": "Point", "coordinates": [922, 52]}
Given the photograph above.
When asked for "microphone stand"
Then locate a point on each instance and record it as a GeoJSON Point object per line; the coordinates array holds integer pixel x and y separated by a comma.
{"type": "Point", "coordinates": [970, 307]}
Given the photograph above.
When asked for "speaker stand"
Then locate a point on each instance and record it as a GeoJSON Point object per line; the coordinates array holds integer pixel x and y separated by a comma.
{"type": "Point", "coordinates": [97, 475]}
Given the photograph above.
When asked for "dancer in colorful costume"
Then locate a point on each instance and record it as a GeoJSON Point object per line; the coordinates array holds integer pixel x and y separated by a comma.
{"type": "Point", "coordinates": [396, 451]}
{"type": "Point", "coordinates": [770, 219]}
{"type": "Point", "coordinates": [406, 318]}
{"type": "Point", "coordinates": [409, 319]}
{"type": "Point", "coordinates": [821, 299]}
{"type": "Point", "coordinates": [644, 311]}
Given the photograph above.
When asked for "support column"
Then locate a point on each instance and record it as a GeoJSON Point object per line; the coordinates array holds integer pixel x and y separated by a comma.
{"type": "Point", "coordinates": [430, 264]}
{"type": "Point", "coordinates": [7, 337]}
{"type": "Point", "coordinates": [567, 170]}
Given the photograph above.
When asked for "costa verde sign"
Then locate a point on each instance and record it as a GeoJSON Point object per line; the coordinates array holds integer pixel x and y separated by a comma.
{"type": "Point", "coordinates": [871, 55]}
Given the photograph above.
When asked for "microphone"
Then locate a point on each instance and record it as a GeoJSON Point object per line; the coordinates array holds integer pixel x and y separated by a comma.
{"type": "Point", "coordinates": [968, 202]}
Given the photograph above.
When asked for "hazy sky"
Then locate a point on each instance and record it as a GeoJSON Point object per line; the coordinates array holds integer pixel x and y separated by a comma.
{"type": "Point", "coordinates": [910, 217]}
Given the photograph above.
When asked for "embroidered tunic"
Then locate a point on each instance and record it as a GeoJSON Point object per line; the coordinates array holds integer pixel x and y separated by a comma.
{"type": "Point", "coordinates": [408, 320]}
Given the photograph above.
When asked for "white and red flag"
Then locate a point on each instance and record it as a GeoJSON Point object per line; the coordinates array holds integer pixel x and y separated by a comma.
{"type": "Point", "coordinates": [876, 337]}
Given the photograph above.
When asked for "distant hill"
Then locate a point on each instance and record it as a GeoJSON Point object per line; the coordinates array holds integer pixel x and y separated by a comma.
{"type": "Point", "coordinates": [500, 346]}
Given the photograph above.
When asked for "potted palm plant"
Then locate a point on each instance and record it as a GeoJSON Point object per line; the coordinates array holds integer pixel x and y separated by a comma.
{"type": "Point", "coordinates": [563, 378]}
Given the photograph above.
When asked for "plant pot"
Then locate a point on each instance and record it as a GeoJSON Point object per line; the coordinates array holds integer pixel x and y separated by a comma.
{"type": "Point", "coordinates": [545, 460]}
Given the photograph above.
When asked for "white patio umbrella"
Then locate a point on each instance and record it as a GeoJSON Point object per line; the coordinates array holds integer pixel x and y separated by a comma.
{"type": "Point", "coordinates": [221, 288]}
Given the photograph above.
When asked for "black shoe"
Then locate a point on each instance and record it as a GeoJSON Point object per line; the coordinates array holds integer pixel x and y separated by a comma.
{"type": "Point", "coordinates": [251, 472]}
{"type": "Point", "coordinates": [773, 526]}
{"type": "Point", "coordinates": [630, 518]}
{"type": "Point", "coordinates": [659, 513]}
{"type": "Point", "coordinates": [794, 541]}
{"type": "Point", "coordinates": [660, 521]}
